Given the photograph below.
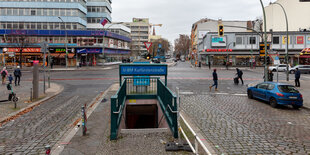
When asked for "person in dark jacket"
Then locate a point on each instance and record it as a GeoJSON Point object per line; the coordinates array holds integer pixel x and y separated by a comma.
{"type": "Point", "coordinates": [215, 79]}
{"type": "Point", "coordinates": [17, 75]}
{"type": "Point", "coordinates": [239, 74]}
{"type": "Point", "coordinates": [270, 76]}
{"type": "Point", "coordinates": [209, 63]}
{"type": "Point", "coordinates": [297, 77]}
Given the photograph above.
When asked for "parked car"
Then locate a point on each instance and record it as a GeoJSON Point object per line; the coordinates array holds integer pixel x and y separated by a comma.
{"type": "Point", "coordinates": [302, 68]}
{"type": "Point", "coordinates": [276, 93]}
{"type": "Point", "coordinates": [280, 67]}
{"type": "Point", "coordinates": [183, 60]}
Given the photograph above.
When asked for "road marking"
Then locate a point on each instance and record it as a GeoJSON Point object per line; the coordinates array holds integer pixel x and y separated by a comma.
{"type": "Point", "coordinates": [221, 93]}
{"type": "Point", "coordinates": [186, 93]}
{"type": "Point", "coordinates": [240, 94]}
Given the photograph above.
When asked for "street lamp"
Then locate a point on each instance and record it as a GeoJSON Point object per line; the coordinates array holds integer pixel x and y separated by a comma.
{"type": "Point", "coordinates": [287, 40]}
{"type": "Point", "coordinates": [66, 41]}
{"type": "Point", "coordinates": [103, 38]}
{"type": "Point", "coordinates": [265, 40]}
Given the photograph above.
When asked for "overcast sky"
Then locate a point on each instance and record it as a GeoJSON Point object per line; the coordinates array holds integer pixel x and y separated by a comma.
{"type": "Point", "coordinates": [177, 16]}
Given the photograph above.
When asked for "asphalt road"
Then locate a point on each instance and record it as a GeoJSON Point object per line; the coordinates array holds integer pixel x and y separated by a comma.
{"type": "Point", "coordinates": [230, 121]}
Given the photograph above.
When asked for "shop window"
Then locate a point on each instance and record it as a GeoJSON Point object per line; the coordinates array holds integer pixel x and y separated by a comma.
{"type": "Point", "coordinates": [239, 40]}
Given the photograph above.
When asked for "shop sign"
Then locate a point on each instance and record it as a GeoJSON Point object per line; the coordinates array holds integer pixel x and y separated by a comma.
{"type": "Point", "coordinates": [111, 43]}
{"type": "Point", "coordinates": [27, 50]}
{"type": "Point", "coordinates": [300, 39]}
{"type": "Point", "coordinates": [89, 50]}
{"type": "Point", "coordinates": [112, 51]}
{"type": "Point", "coordinates": [284, 39]}
{"type": "Point", "coordinates": [11, 54]}
{"type": "Point", "coordinates": [217, 50]}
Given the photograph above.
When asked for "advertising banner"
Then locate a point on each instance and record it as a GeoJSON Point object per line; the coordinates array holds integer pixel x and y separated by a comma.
{"type": "Point", "coordinates": [300, 40]}
{"type": "Point", "coordinates": [143, 70]}
{"type": "Point", "coordinates": [218, 41]}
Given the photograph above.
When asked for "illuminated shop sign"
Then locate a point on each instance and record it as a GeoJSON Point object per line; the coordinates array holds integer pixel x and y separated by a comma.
{"type": "Point", "coordinates": [217, 50]}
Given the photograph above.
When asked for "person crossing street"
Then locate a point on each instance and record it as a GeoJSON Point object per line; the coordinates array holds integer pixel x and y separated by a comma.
{"type": "Point", "coordinates": [297, 77]}
{"type": "Point", "coordinates": [4, 74]}
{"type": "Point", "coordinates": [239, 74]}
{"type": "Point", "coordinates": [215, 80]}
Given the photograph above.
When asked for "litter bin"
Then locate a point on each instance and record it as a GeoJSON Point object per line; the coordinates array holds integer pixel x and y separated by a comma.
{"type": "Point", "coordinates": [199, 64]}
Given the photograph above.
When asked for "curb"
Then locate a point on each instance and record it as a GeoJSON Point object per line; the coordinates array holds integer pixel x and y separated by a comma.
{"type": "Point", "coordinates": [29, 108]}
{"type": "Point", "coordinates": [59, 146]}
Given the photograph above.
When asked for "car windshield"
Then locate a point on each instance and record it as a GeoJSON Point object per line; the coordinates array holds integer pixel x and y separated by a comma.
{"type": "Point", "coordinates": [288, 89]}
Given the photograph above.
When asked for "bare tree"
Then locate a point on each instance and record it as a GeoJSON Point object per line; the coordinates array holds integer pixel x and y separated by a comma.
{"type": "Point", "coordinates": [165, 46]}
{"type": "Point", "coordinates": [182, 45]}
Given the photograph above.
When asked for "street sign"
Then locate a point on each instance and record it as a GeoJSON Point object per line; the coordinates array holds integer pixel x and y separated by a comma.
{"type": "Point", "coordinates": [148, 45]}
{"type": "Point", "coordinates": [275, 58]}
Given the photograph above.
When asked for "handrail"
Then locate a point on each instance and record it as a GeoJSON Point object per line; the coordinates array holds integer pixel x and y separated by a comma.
{"type": "Point", "coordinates": [120, 108]}
{"type": "Point", "coordinates": [172, 110]}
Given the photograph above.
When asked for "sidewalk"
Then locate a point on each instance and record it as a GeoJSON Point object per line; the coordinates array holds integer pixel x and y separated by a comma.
{"type": "Point", "coordinates": [7, 111]}
{"type": "Point", "coordinates": [97, 140]}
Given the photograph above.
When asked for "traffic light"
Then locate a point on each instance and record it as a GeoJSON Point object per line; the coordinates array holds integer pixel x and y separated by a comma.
{"type": "Point", "coordinates": [268, 61]}
{"type": "Point", "coordinates": [262, 50]}
{"type": "Point", "coordinates": [221, 30]}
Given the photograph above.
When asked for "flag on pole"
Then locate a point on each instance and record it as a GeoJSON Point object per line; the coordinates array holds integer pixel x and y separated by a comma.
{"type": "Point", "coordinates": [103, 21]}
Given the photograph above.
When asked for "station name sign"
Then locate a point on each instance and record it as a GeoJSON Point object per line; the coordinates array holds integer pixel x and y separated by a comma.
{"type": "Point", "coordinates": [143, 69]}
{"type": "Point", "coordinates": [217, 50]}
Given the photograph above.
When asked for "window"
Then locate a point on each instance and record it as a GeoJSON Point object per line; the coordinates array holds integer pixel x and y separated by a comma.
{"type": "Point", "coordinates": [56, 12]}
{"type": "Point", "coordinates": [262, 86]}
{"type": "Point", "coordinates": [39, 26]}
{"type": "Point", "coordinates": [288, 89]}
{"type": "Point", "coordinates": [33, 12]}
{"type": "Point", "coordinates": [252, 40]}
{"type": "Point", "coordinates": [3, 11]}
{"type": "Point", "coordinates": [276, 40]}
{"type": "Point", "coordinates": [45, 12]}
{"type": "Point", "coordinates": [15, 12]}
{"type": "Point", "coordinates": [39, 12]}
{"type": "Point", "coordinates": [45, 26]}
{"type": "Point", "coordinates": [51, 26]}
{"type": "Point", "coordinates": [21, 12]}
{"type": "Point", "coordinates": [68, 12]}
{"type": "Point", "coordinates": [51, 12]}
{"type": "Point", "coordinates": [93, 9]}
{"type": "Point", "coordinates": [239, 40]}
{"type": "Point", "coordinates": [9, 11]}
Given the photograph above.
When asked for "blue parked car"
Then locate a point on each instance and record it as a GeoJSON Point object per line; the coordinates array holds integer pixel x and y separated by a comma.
{"type": "Point", "coordinates": [276, 93]}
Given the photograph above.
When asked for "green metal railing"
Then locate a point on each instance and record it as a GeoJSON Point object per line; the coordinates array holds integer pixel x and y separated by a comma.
{"type": "Point", "coordinates": [168, 104]}
{"type": "Point", "coordinates": [144, 88]}
{"type": "Point", "coordinates": [117, 107]}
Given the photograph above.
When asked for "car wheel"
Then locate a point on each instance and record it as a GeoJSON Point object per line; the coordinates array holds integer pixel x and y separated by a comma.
{"type": "Point", "coordinates": [274, 70]}
{"type": "Point", "coordinates": [296, 106]}
{"type": "Point", "coordinates": [292, 72]}
{"type": "Point", "coordinates": [273, 102]}
{"type": "Point", "coordinates": [250, 94]}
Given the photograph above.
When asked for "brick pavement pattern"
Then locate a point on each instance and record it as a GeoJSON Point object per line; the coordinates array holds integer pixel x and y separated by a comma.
{"type": "Point", "coordinates": [238, 125]}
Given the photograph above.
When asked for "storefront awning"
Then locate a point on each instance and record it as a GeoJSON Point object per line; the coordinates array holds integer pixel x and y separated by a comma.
{"type": "Point", "coordinates": [304, 56]}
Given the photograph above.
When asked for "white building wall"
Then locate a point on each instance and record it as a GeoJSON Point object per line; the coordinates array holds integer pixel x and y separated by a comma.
{"type": "Point", "coordinates": [297, 13]}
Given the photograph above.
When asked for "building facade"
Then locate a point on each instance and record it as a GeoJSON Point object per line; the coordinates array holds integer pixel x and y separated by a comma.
{"type": "Point", "coordinates": [140, 31]}
{"type": "Point", "coordinates": [298, 19]}
{"type": "Point", "coordinates": [205, 26]}
{"type": "Point", "coordinates": [71, 28]}
{"type": "Point", "coordinates": [242, 48]}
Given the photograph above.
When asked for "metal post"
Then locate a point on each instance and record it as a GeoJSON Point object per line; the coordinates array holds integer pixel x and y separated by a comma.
{"type": "Point", "coordinates": [265, 40]}
{"type": "Point", "coordinates": [66, 42]}
{"type": "Point", "coordinates": [287, 40]}
{"type": "Point", "coordinates": [84, 129]}
{"type": "Point", "coordinates": [49, 69]}
{"type": "Point", "coordinates": [44, 61]}
{"type": "Point", "coordinates": [35, 82]}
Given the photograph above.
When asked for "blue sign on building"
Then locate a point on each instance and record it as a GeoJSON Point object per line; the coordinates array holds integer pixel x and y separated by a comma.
{"type": "Point", "coordinates": [143, 70]}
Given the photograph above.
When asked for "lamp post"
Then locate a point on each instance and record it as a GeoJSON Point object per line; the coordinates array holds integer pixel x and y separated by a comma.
{"type": "Point", "coordinates": [66, 44]}
{"type": "Point", "coordinates": [287, 40]}
{"type": "Point", "coordinates": [265, 40]}
{"type": "Point", "coordinates": [104, 37]}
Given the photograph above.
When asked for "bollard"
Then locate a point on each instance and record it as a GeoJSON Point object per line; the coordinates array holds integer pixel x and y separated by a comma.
{"type": "Point", "coordinates": [84, 128]}
{"type": "Point", "coordinates": [47, 149]}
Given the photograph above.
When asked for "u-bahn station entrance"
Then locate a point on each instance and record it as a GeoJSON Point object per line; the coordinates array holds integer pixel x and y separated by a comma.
{"type": "Point", "coordinates": [143, 100]}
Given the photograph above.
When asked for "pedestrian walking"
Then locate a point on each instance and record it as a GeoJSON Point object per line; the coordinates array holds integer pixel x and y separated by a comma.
{"type": "Point", "coordinates": [215, 80]}
{"type": "Point", "coordinates": [297, 77]}
{"type": "Point", "coordinates": [10, 79]}
{"type": "Point", "coordinates": [17, 75]}
{"type": "Point", "coordinates": [209, 63]}
{"type": "Point", "coordinates": [4, 74]}
{"type": "Point", "coordinates": [239, 75]}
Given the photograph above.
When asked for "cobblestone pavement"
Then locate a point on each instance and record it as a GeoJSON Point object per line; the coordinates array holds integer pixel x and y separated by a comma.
{"type": "Point", "coordinates": [22, 91]}
{"type": "Point", "coordinates": [238, 125]}
{"type": "Point", "coordinates": [47, 123]}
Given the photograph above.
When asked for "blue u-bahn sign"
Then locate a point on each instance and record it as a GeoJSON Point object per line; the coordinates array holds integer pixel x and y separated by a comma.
{"type": "Point", "coordinates": [144, 70]}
